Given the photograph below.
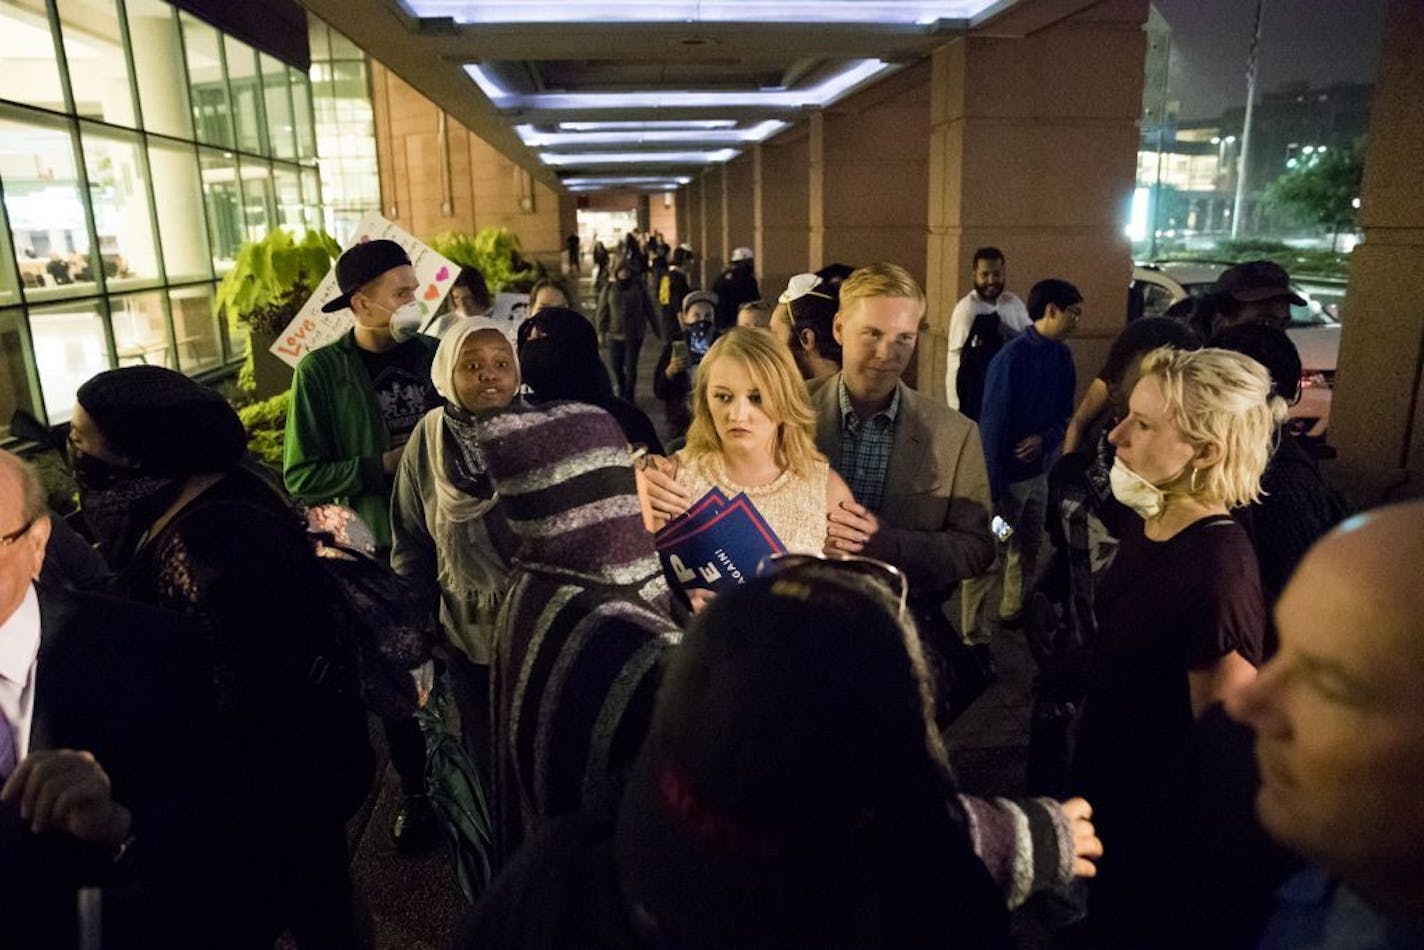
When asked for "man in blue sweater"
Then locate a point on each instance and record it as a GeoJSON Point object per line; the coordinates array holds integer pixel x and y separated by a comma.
{"type": "Point", "coordinates": [1028, 399]}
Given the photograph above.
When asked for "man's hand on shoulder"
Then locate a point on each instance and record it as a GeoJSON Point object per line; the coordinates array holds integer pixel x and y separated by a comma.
{"type": "Point", "coordinates": [68, 791]}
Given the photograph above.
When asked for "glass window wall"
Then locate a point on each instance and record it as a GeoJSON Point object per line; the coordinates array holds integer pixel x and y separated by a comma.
{"type": "Point", "coordinates": [119, 193]}
{"type": "Point", "coordinates": [280, 124]}
{"type": "Point", "coordinates": [70, 346]}
{"type": "Point", "coordinates": [212, 111]}
{"type": "Point", "coordinates": [44, 203]}
{"type": "Point", "coordinates": [139, 148]}
{"type": "Point", "coordinates": [258, 199]}
{"type": "Point", "coordinates": [157, 46]}
{"type": "Point", "coordinates": [195, 329]}
{"type": "Point", "coordinates": [141, 330]}
{"type": "Point", "coordinates": [27, 57]}
{"type": "Point", "coordinates": [16, 369]}
{"type": "Point", "coordinates": [180, 210]}
{"type": "Point", "coordinates": [98, 67]}
{"type": "Point", "coordinates": [246, 86]}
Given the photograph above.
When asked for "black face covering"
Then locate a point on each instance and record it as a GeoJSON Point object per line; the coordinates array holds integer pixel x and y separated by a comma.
{"type": "Point", "coordinates": [120, 503]}
{"type": "Point", "coordinates": [699, 338]}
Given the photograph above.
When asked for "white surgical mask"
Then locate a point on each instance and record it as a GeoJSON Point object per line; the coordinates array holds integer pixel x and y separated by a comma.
{"type": "Point", "coordinates": [406, 321]}
{"type": "Point", "coordinates": [1136, 492]}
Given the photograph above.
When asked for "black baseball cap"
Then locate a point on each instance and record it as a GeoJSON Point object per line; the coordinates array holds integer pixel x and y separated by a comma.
{"type": "Point", "coordinates": [362, 264]}
{"type": "Point", "coordinates": [1254, 281]}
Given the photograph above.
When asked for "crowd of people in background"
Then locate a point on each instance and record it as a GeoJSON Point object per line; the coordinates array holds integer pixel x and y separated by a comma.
{"type": "Point", "coordinates": [1227, 744]}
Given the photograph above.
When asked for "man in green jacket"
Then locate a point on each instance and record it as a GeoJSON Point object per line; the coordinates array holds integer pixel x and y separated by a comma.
{"type": "Point", "coordinates": [355, 402]}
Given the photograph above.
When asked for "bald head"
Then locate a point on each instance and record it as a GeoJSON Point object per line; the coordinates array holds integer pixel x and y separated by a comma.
{"type": "Point", "coordinates": [1339, 712]}
{"type": "Point", "coordinates": [1371, 566]}
{"type": "Point", "coordinates": [24, 524]}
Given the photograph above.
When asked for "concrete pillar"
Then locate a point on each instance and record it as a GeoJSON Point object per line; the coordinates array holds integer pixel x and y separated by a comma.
{"type": "Point", "coordinates": [1033, 146]}
{"type": "Point", "coordinates": [691, 200]}
{"type": "Point", "coordinates": [645, 213]}
{"type": "Point", "coordinates": [781, 200]}
{"type": "Point", "coordinates": [681, 218]}
{"type": "Point", "coordinates": [740, 214]}
{"type": "Point", "coordinates": [714, 245]}
{"type": "Point", "coordinates": [874, 174]}
{"type": "Point", "coordinates": [1377, 419]}
{"type": "Point", "coordinates": [815, 191]}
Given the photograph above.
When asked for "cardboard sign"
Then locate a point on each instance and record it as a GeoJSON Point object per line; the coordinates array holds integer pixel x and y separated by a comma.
{"type": "Point", "coordinates": [311, 328]}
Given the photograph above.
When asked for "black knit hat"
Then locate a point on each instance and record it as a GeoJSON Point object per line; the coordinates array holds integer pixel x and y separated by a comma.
{"type": "Point", "coordinates": [788, 794]}
{"type": "Point", "coordinates": [1255, 281]}
{"type": "Point", "coordinates": [164, 422]}
{"type": "Point", "coordinates": [362, 264]}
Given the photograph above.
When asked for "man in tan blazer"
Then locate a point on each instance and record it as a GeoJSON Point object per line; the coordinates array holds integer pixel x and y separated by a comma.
{"type": "Point", "coordinates": [914, 465]}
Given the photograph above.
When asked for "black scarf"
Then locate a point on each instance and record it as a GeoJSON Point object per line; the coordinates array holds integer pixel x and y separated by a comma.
{"type": "Point", "coordinates": [464, 466]}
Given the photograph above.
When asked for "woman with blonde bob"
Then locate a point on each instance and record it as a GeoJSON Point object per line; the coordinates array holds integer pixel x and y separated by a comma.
{"type": "Point", "coordinates": [753, 431]}
{"type": "Point", "coordinates": [1180, 612]}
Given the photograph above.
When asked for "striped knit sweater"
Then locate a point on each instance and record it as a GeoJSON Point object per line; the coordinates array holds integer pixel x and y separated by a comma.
{"type": "Point", "coordinates": [580, 636]}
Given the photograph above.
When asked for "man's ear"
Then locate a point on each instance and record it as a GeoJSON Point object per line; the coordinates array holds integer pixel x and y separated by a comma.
{"type": "Point", "coordinates": [837, 331]}
{"type": "Point", "coordinates": [807, 338]}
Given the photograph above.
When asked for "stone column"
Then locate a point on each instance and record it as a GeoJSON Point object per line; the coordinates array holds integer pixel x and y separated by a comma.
{"type": "Point", "coordinates": [874, 175]}
{"type": "Point", "coordinates": [690, 198]}
{"type": "Point", "coordinates": [714, 237]}
{"type": "Point", "coordinates": [739, 219]}
{"type": "Point", "coordinates": [1377, 420]}
{"type": "Point", "coordinates": [1033, 146]}
{"type": "Point", "coordinates": [781, 199]}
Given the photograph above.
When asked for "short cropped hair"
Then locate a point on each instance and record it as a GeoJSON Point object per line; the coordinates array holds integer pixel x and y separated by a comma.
{"type": "Point", "coordinates": [1060, 293]}
{"type": "Point", "coordinates": [32, 493]}
{"type": "Point", "coordinates": [880, 280]}
{"type": "Point", "coordinates": [1223, 398]}
{"type": "Point", "coordinates": [986, 254]}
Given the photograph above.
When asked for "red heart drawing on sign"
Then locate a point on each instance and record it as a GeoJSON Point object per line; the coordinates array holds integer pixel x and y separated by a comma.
{"type": "Point", "coordinates": [442, 274]}
{"type": "Point", "coordinates": [431, 292]}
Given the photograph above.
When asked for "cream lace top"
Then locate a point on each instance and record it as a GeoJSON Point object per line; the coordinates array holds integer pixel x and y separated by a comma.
{"type": "Point", "coordinates": [795, 507]}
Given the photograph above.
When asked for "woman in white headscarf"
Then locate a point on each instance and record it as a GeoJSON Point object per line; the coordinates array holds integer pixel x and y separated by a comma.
{"type": "Point", "coordinates": [448, 535]}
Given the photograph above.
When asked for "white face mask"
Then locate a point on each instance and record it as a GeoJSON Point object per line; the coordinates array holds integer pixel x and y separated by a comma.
{"type": "Point", "coordinates": [1136, 492]}
{"type": "Point", "coordinates": [406, 321]}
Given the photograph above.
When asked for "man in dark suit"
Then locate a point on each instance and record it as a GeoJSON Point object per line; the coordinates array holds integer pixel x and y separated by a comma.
{"type": "Point", "coordinates": [107, 758]}
{"type": "Point", "coordinates": [915, 466]}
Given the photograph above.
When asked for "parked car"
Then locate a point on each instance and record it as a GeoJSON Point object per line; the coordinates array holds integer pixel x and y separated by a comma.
{"type": "Point", "coordinates": [1314, 329]}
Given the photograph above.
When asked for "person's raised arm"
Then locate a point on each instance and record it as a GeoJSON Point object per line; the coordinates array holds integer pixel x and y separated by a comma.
{"type": "Point", "coordinates": [1090, 407]}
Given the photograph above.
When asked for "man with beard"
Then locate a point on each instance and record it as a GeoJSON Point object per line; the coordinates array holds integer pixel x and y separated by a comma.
{"type": "Point", "coordinates": [984, 320]}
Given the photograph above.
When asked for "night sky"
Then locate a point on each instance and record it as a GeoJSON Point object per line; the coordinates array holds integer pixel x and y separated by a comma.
{"type": "Point", "coordinates": [1321, 41]}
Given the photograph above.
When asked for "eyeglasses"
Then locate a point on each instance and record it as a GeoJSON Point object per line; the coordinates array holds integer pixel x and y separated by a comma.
{"type": "Point", "coordinates": [1076, 312]}
{"type": "Point", "coordinates": [886, 575]}
{"type": "Point", "coordinates": [8, 539]}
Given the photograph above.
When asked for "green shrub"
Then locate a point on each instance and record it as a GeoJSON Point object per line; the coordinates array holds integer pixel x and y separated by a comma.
{"type": "Point", "coordinates": [266, 425]}
{"type": "Point", "coordinates": [494, 252]}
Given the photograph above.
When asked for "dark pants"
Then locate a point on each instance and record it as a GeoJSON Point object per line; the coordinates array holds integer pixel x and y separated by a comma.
{"type": "Point", "coordinates": [623, 357]}
{"type": "Point", "coordinates": [407, 747]}
{"type": "Point", "coordinates": [470, 683]}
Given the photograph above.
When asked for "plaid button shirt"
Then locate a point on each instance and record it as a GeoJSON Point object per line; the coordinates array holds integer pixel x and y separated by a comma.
{"type": "Point", "coordinates": [865, 448]}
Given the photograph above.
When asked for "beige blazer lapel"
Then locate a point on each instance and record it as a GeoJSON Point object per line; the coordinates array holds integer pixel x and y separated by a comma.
{"type": "Point", "coordinates": [908, 448]}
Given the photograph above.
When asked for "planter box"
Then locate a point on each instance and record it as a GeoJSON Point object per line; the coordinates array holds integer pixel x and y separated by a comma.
{"type": "Point", "coordinates": [270, 374]}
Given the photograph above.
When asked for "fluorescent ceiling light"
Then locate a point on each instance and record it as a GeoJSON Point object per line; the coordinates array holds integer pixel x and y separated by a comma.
{"type": "Point", "coordinates": [638, 158]}
{"type": "Point", "coordinates": [829, 90]}
{"type": "Point", "coordinates": [876, 12]}
{"type": "Point", "coordinates": [594, 181]}
{"type": "Point", "coordinates": [643, 126]}
{"type": "Point", "coordinates": [533, 138]}
{"type": "Point", "coordinates": [488, 86]}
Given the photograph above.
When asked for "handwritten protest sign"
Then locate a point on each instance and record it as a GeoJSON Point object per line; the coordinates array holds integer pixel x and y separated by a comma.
{"type": "Point", "coordinates": [311, 328]}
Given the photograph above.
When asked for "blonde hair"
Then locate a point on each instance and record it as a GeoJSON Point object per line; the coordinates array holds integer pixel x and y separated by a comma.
{"type": "Point", "coordinates": [880, 280]}
{"type": "Point", "coordinates": [783, 398]}
{"type": "Point", "coordinates": [1222, 398]}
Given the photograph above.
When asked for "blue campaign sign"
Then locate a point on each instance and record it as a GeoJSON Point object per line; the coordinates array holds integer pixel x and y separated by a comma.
{"type": "Point", "coordinates": [719, 546]}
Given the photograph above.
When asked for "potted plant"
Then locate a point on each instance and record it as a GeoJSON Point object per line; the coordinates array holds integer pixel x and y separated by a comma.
{"type": "Point", "coordinates": [494, 252]}
{"type": "Point", "coordinates": [269, 282]}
